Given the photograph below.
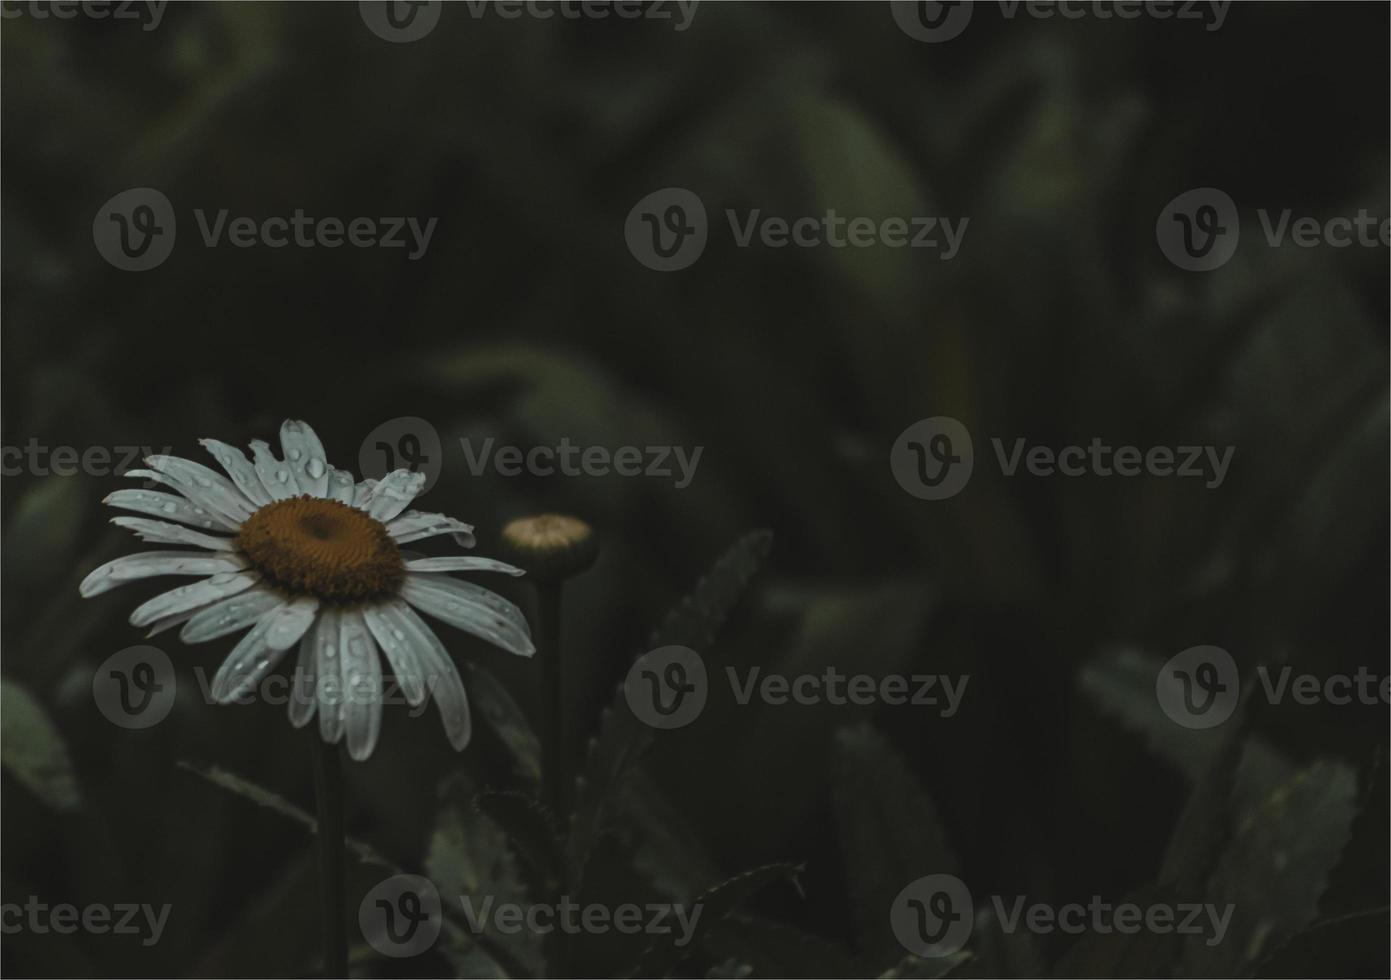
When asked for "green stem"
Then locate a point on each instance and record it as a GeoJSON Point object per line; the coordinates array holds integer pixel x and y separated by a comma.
{"type": "Point", "coordinates": [328, 790]}
{"type": "Point", "coordinates": [554, 771]}
{"type": "Point", "coordinates": [554, 780]}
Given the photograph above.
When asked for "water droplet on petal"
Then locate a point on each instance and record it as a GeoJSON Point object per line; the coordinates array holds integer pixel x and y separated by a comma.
{"type": "Point", "coordinates": [315, 468]}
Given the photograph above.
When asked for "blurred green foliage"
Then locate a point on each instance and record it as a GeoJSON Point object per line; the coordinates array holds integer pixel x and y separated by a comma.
{"type": "Point", "coordinates": [529, 321]}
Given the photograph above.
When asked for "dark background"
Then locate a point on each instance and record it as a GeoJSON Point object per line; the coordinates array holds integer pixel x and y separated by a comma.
{"type": "Point", "coordinates": [529, 320]}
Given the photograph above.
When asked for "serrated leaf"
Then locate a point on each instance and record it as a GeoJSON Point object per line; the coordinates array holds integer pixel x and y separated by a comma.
{"type": "Point", "coordinates": [1121, 683]}
{"type": "Point", "coordinates": [469, 858]}
{"type": "Point", "coordinates": [890, 833]}
{"type": "Point", "coordinates": [715, 903]}
{"type": "Point", "coordinates": [1106, 953]}
{"type": "Point", "coordinates": [622, 738]}
{"type": "Point", "coordinates": [697, 618]}
{"type": "Point", "coordinates": [531, 828]}
{"type": "Point", "coordinates": [505, 717]}
{"type": "Point", "coordinates": [1342, 946]}
{"type": "Point", "coordinates": [666, 849]}
{"type": "Point", "coordinates": [1276, 867]}
{"type": "Point", "coordinates": [33, 752]}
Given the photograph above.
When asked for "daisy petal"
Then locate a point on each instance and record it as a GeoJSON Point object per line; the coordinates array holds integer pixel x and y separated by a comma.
{"type": "Point", "coordinates": [362, 684]}
{"type": "Point", "coordinates": [239, 468]}
{"type": "Point", "coordinates": [162, 532]}
{"type": "Point", "coordinates": [258, 652]}
{"type": "Point", "coordinates": [304, 684]}
{"type": "Point", "coordinates": [230, 615]}
{"type": "Point", "coordinates": [305, 456]}
{"type": "Point", "coordinates": [275, 476]}
{"type": "Point", "coordinates": [362, 494]}
{"type": "Point", "coordinates": [209, 490]}
{"type": "Point", "coordinates": [470, 608]}
{"type": "Point", "coordinates": [415, 525]}
{"type": "Point", "coordinates": [461, 563]}
{"type": "Point", "coordinates": [292, 622]}
{"type": "Point", "coordinates": [168, 623]}
{"type": "Point", "coordinates": [188, 598]}
{"type": "Point", "coordinates": [399, 641]}
{"type": "Point", "coordinates": [394, 494]}
{"type": "Point", "coordinates": [231, 522]}
{"type": "Point", "coordinates": [145, 564]}
{"type": "Point", "coordinates": [167, 506]}
{"type": "Point", "coordinates": [340, 486]}
{"type": "Point", "coordinates": [442, 677]}
{"type": "Point", "coordinates": [329, 693]}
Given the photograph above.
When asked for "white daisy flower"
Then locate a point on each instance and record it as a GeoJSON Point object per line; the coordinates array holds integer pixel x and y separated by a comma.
{"type": "Point", "coordinates": [299, 552]}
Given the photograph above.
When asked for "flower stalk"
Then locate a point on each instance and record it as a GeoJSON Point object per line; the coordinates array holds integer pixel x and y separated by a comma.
{"type": "Point", "coordinates": [332, 829]}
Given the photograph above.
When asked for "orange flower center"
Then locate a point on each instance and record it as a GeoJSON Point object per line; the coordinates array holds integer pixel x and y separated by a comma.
{"type": "Point", "coordinates": [323, 548]}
